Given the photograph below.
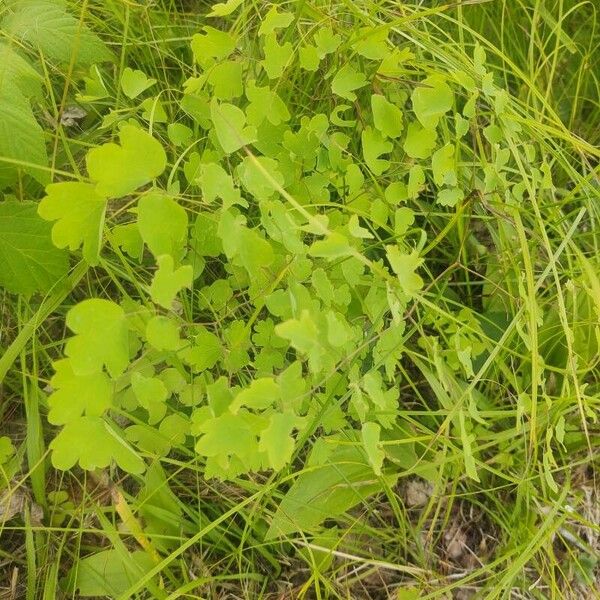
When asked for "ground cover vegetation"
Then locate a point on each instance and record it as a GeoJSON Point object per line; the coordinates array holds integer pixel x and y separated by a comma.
{"type": "Point", "coordinates": [299, 299]}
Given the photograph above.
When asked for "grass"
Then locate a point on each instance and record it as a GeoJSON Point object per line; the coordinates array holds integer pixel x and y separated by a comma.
{"type": "Point", "coordinates": [527, 268]}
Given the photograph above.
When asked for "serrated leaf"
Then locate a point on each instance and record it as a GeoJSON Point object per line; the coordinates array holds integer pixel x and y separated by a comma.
{"type": "Point", "coordinates": [90, 442]}
{"type": "Point", "coordinates": [346, 80]}
{"type": "Point", "coordinates": [21, 138]}
{"type": "Point", "coordinates": [372, 43]}
{"type": "Point", "coordinates": [78, 211]}
{"type": "Point", "coordinates": [431, 100]}
{"type": "Point", "coordinates": [16, 72]}
{"type": "Point", "coordinates": [151, 393]}
{"type": "Point", "coordinates": [327, 42]}
{"type": "Point", "coordinates": [75, 395]}
{"type": "Point", "coordinates": [265, 104]}
{"type": "Point", "coordinates": [30, 261]}
{"type": "Point", "coordinates": [335, 245]}
{"type": "Point", "coordinates": [121, 169]}
{"type": "Point", "coordinates": [51, 30]}
{"type": "Point", "coordinates": [309, 57]}
{"type": "Point", "coordinates": [230, 126]}
{"type": "Point", "coordinates": [443, 166]}
{"type": "Point", "coordinates": [168, 282]}
{"type": "Point", "coordinates": [163, 224]}
{"type": "Point", "coordinates": [135, 82]}
{"type": "Point", "coordinates": [387, 117]}
{"type": "Point", "coordinates": [450, 197]}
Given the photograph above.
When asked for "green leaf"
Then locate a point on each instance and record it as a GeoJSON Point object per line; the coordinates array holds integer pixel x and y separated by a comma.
{"type": "Point", "coordinates": [327, 42]}
{"type": "Point", "coordinates": [90, 442]}
{"type": "Point", "coordinates": [262, 393]}
{"type": "Point", "coordinates": [419, 142]}
{"type": "Point", "coordinates": [339, 478]}
{"type": "Point", "coordinates": [163, 224]}
{"type": "Point", "coordinates": [277, 56]}
{"type": "Point", "coordinates": [212, 46]}
{"type": "Point", "coordinates": [151, 393]}
{"type": "Point", "coordinates": [276, 439]}
{"type": "Point", "coordinates": [120, 170]}
{"type": "Point", "coordinates": [75, 395]}
{"type": "Point", "coordinates": [310, 57]}
{"type": "Point", "coordinates": [21, 138]}
{"type": "Point", "coordinates": [30, 261]}
{"type": "Point", "coordinates": [205, 352]}
{"type": "Point", "coordinates": [168, 282]}
{"type": "Point", "coordinates": [6, 449]}
{"type": "Point", "coordinates": [387, 117]}
{"type": "Point", "coordinates": [163, 333]}
{"type": "Point", "coordinates": [102, 337]}
{"type": "Point", "coordinates": [230, 126]}
{"type": "Point", "coordinates": [370, 438]}
{"type": "Point", "coordinates": [346, 80]}
{"type": "Point", "coordinates": [265, 104]}
{"type": "Point", "coordinates": [224, 9]}
{"type": "Point", "coordinates": [251, 172]}
{"type": "Point", "coordinates": [431, 100]}
{"type": "Point", "coordinates": [372, 43]}
{"type": "Point", "coordinates": [135, 82]}
{"type": "Point", "coordinates": [54, 33]}
{"type": "Point", "coordinates": [335, 245]}
{"type": "Point", "coordinates": [16, 72]}
{"type": "Point", "coordinates": [405, 265]}
{"type": "Point", "coordinates": [226, 79]}
{"type": "Point", "coordinates": [443, 166]}
{"type": "Point", "coordinates": [107, 573]}
{"type": "Point", "coordinates": [79, 214]}
{"type": "Point", "coordinates": [450, 197]}
{"type": "Point", "coordinates": [275, 20]}
{"type": "Point", "coordinates": [373, 146]}
{"type": "Point", "coordinates": [179, 134]}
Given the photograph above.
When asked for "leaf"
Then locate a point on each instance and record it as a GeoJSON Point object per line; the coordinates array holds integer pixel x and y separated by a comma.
{"type": "Point", "coordinates": [230, 126]}
{"type": "Point", "coordinates": [179, 134]}
{"type": "Point", "coordinates": [373, 146]}
{"type": "Point", "coordinates": [102, 337]}
{"type": "Point", "coordinates": [443, 166]}
{"type": "Point", "coordinates": [168, 281]}
{"type": "Point", "coordinates": [224, 9]}
{"type": "Point", "coordinates": [205, 352]}
{"type": "Point", "coordinates": [335, 245]}
{"type": "Point", "coordinates": [372, 43]}
{"type": "Point", "coordinates": [327, 42]}
{"type": "Point", "coordinates": [261, 394]}
{"type": "Point", "coordinates": [90, 442]}
{"type": "Point", "coordinates": [226, 79]}
{"type": "Point", "coordinates": [405, 265]}
{"type": "Point", "coordinates": [53, 32]}
{"type": "Point", "coordinates": [226, 435]}
{"type": "Point", "coordinates": [6, 449]}
{"type": "Point", "coordinates": [450, 197]}
{"type": "Point", "coordinates": [419, 142]}
{"type": "Point", "coordinates": [29, 261]}
{"type": "Point", "coordinates": [251, 172]}
{"type": "Point", "coordinates": [216, 182]}
{"type": "Point", "coordinates": [274, 20]}
{"type": "Point", "coordinates": [276, 439]}
{"type": "Point", "coordinates": [163, 333]}
{"type": "Point", "coordinates": [135, 82]}
{"type": "Point", "coordinates": [21, 138]}
{"type": "Point", "coordinates": [79, 214]}
{"type": "Point", "coordinates": [277, 57]}
{"type": "Point", "coordinates": [338, 478]}
{"type": "Point", "coordinates": [370, 438]}
{"type": "Point", "coordinates": [75, 395]}
{"type": "Point", "coordinates": [107, 573]}
{"type": "Point", "coordinates": [265, 104]}
{"type": "Point", "coordinates": [120, 170]}
{"type": "Point", "coordinates": [16, 72]}
{"type": "Point", "coordinates": [212, 46]}
{"type": "Point", "coordinates": [431, 100]}
{"type": "Point", "coordinates": [387, 117]}
{"type": "Point", "coordinates": [163, 224]}
{"type": "Point", "coordinates": [151, 393]}
{"type": "Point", "coordinates": [310, 57]}
{"type": "Point", "coordinates": [346, 80]}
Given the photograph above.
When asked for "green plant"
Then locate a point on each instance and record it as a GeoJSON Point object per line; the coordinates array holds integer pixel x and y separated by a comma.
{"type": "Point", "coordinates": [326, 253]}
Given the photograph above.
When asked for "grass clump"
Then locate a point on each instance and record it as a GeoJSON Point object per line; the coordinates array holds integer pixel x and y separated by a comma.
{"type": "Point", "coordinates": [306, 303]}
